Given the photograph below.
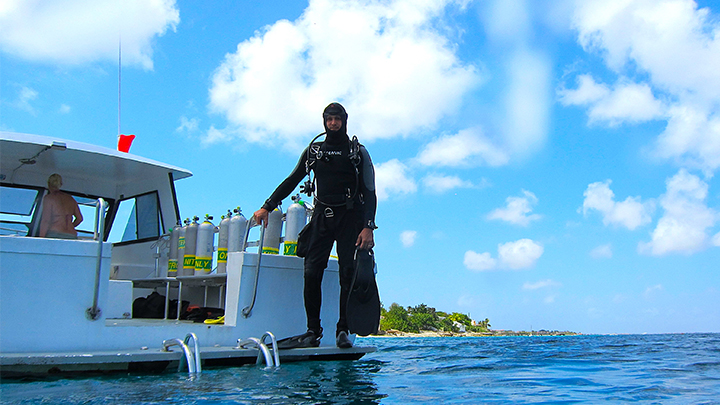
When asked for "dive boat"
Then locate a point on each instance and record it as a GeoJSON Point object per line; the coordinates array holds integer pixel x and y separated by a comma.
{"type": "Point", "coordinates": [67, 305]}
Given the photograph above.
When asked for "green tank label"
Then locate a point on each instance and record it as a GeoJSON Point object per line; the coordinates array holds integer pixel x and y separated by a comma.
{"type": "Point", "coordinates": [290, 249]}
{"type": "Point", "coordinates": [181, 243]}
{"type": "Point", "coordinates": [271, 250]}
{"type": "Point", "coordinates": [172, 268]}
{"type": "Point", "coordinates": [204, 264]}
{"type": "Point", "coordinates": [189, 262]}
{"type": "Point", "coordinates": [222, 255]}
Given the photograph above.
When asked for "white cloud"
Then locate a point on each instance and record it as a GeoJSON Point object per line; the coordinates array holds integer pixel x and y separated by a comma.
{"type": "Point", "coordinates": [630, 213]}
{"type": "Point", "coordinates": [407, 238]}
{"type": "Point", "coordinates": [438, 184]}
{"type": "Point", "coordinates": [524, 108]}
{"type": "Point", "coordinates": [189, 125]}
{"type": "Point", "coordinates": [602, 252]}
{"type": "Point", "coordinates": [508, 21]}
{"type": "Point", "coordinates": [213, 135]}
{"type": "Point", "coordinates": [684, 225]}
{"type": "Point", "coordinates": [540, 284]}
{"type": "Point", "coordinates": [518, 209]}
{"type": "Point", "coordinates": [716, 239]}
{"type": "Point", "coordinates": [631, 102]}
{"type": "Point", "coordinates": [520, 254]}
{"type": "Point", "coordinates": [64, 109]}
{"type": "Point", "coordinates": [78, 31]}
{"type": "Point", "coordinates": [527, 102]}
{"type": "Point", "coordinates": [672, 40]}
{"type": "Point", "coordinates": [692, 137]}
{"type": "Point", "coordinates": [388, 62]}
{"type": "Point", "coordinates": [587, 92]}
{"type": "Point", "coordinates": [25, 96]}
{"type": "Point", "coordinates": [652, 290]}
{"type": "Point", "coordinates": [466, 148]}
{"type": "Point", "coordinates": [391, 178]}
{"type": "Point", "coordinates": [674, 46]}
{"type": "Point", "coordinates": [479, 261]}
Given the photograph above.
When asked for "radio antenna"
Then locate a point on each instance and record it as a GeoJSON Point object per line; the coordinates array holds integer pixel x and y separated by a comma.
{"type": "Point", "coordinates": [119, 79]}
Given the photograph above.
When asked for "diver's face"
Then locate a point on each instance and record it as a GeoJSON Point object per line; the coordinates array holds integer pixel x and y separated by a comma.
{"type": "Point", "coordinates": [333, 122]}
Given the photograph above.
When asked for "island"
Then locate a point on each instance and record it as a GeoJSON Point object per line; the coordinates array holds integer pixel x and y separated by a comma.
{"type": "Point", "coordinates": [424, 321]}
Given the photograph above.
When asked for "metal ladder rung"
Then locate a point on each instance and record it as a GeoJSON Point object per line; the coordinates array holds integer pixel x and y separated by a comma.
{"type": "Point", "coordinates": [193, 357]}
{"type": "Point", "coordinates": [263, 351]}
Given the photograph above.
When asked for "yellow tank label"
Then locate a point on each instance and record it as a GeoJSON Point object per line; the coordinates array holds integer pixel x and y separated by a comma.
{"type": "Point", "coordinates": [189, 262]}
{"type": "Point", "coordinates": [271, 250]}
{"type": "Point", "coordinates": [203, 263]}
{"type": "Point", "coordinates": [222, 255]}
{"type": "Point", "coordinates": [172, 268]}
{"type": "Point", "coordinates": [290, 248]}
{"type": "Point", "coordinates": [181, 243]}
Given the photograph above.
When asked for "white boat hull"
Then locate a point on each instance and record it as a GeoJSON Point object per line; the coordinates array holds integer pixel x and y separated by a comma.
{"type": "Point", "coordinates": [47, 285]}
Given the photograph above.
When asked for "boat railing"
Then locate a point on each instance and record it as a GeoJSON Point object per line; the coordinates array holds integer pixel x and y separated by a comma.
{"type": "Point", "coordinates": [159, 245]}
{"type": "Point", "coordinates": [247, 311]}
{"type": "Point", "coordinates": [263, 351]}
{"type": "Point", "coordinates": [273, 341]}
{"type": "Point", "coordinates": [93, 313]}
{"type": "Point", "coordinates": [196, 351]}
{"type": "Point", "coordinates": [193, 359]}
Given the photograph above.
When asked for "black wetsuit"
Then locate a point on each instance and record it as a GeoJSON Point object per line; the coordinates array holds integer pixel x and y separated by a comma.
{"type": "Point", "coordinates": [345, 203]}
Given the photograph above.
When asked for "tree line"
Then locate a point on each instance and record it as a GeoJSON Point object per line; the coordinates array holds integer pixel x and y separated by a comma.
{"type": "Point", "coordinates": [422, 317]}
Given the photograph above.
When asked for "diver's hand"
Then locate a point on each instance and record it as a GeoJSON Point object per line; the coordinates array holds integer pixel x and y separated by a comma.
{"type": "Point", "coordinates": [261, 216]}
{"type": "Point", "coordinates": [366, 239]}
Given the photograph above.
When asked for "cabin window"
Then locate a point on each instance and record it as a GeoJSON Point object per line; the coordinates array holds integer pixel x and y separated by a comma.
{"type": "Point", "coordinates": [19, 211]}
{"type": "Point", "coordinates": [141, 216]}
{"type": "Point", "coordinates": [88, 207]}
{"type": "Point", "coordinates": [17, 207]}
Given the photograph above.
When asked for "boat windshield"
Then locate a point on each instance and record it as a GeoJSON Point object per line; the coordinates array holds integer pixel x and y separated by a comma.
{"type": "Point", "coordinates": [141, 216]}
{"type": "Point", "coordinates": [19, 211]}
{"type": "Point", "coordinates": [17, 208]}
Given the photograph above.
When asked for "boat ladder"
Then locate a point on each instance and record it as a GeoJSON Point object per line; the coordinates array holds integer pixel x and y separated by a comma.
{"type": "Point", "coordinates": [263, 351]}
{"type": "Point", "coordinates": [192, 356]}
{"type": "Point", "coordinates": [247, 311]}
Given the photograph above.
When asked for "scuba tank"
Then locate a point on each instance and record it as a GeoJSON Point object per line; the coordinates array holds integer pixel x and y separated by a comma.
{"type": "Point", "coordinates": [190, 246]}
{"type": "Point", "coordinates": [174, 247]}
{"type": "Point", "coordinates": [295, 220]}
{"type": "Point", "coordinates": [223, 243]}
{"type": "Point", "coordinates": [181, 245]}
{"type": "Point", "coordinates": [236, 232]}
{"type": "Point", "coordinates": [271, 241]}
{"type": "Point", "coordinates": [205, 247]}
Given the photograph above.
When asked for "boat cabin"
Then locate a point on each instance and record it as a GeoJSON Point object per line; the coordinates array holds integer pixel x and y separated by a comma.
{"type": "Point", "coordinates": [76, 296]}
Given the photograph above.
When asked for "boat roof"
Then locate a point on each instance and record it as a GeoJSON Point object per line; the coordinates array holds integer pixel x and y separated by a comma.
{"type": "Point", "coordinates": [73, 160]}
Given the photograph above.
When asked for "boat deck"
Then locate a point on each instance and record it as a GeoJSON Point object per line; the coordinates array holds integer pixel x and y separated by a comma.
{"type": "Point", "coordinates": [157, 360]}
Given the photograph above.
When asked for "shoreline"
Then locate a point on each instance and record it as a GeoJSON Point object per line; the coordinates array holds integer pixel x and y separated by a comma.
{"type": "Point", "coordinates": [492, 333]}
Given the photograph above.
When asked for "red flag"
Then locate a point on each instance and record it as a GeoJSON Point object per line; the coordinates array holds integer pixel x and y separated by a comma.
{"type": "Point", "coordinates": [124, 142]}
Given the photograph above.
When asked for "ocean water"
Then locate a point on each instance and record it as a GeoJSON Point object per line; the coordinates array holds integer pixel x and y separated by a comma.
{"type": "Point", "coordinates": [653, 369]}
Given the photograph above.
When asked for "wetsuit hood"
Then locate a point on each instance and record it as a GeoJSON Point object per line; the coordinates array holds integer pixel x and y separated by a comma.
{"type": "Point", "coordinates": [335, 109]}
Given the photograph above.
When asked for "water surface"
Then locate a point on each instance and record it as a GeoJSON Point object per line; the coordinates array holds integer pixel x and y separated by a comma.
{"type": "Point", "coordinates": [665, 369]}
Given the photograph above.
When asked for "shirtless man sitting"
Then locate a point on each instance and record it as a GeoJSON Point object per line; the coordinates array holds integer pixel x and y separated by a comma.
{"type": "Point", "coordinates": [58, 211]}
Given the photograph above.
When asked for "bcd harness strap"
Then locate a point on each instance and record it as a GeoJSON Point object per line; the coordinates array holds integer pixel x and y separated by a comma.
{"type": "Point", "coordinates": [314, 153]}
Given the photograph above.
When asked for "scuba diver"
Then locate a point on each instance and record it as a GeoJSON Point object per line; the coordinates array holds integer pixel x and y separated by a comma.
{"type": "Point", "coordinates": [344, 212]}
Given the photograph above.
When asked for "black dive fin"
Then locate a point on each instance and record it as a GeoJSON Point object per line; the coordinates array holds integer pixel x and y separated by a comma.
{"type": "Point", "coordinates": [363, 307]}
{"type": "Point", "coordinates": [307, 339]}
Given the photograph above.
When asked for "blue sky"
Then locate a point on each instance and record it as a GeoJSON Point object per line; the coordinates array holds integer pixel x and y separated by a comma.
{"type": "Point", "coordinates": [544, 164]}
